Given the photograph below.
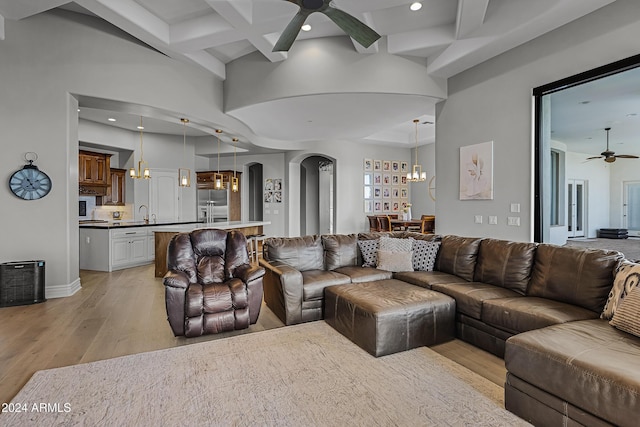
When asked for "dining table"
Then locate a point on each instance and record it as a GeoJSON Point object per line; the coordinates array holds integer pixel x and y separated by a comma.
{"type": "Point", "coordinates": [405, 224]}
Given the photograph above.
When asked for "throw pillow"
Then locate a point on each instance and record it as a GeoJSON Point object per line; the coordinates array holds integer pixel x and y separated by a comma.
{"type": "Point", "coordinates": [424, 254]}
{"type": "Point", "coordinates": [395, 261]}
{"type": "Point", "coordinates": [369, 251]}
{"type": "Point", "coordinates": [627, 277]}
{"type": "Point", "coordinates": [392, 244]}
{"type": "Point", "coordinates": [627, 314]}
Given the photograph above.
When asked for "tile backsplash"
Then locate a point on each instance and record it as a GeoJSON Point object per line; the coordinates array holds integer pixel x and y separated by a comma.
{"type": "Point", "coordinates": [93, 211]}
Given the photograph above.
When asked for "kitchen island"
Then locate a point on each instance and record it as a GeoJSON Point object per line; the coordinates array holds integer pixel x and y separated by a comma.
{"type": "Point", "coordinates": [109, 246]}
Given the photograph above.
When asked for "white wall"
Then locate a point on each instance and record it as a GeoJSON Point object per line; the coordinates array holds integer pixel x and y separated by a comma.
{"type": "Point", "coordinates": [47, 60]}
{"type": "Point", "coordinates": [421, 202]}
{"type": "Point", "coordinates": [493, 102]}
{"type": "Point", "coordinates": [621, 171]}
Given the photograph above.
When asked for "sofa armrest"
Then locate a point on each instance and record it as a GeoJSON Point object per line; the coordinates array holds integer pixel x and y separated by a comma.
{"type": "Point", "coordinates": [283, 291]}
{"type": "Point", "coordinates": [248, 273]}
{"type": "Point", "coordinates": [175, 285]}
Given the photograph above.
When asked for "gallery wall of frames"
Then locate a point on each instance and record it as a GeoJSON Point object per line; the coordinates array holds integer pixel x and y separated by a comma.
{"type": "Point", "coordinates": [386, 190]}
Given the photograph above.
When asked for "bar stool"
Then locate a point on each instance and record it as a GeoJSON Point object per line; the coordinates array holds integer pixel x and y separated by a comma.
{"type": "Point", "coordinates": [254, 246]}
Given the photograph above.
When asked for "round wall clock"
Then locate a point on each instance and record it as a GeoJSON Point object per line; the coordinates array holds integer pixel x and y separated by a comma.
{"type": "Point", "coordinates": [30, 183]}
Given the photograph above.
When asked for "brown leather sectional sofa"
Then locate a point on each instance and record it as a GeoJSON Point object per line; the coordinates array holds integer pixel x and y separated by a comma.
{"type": "Point", "coordinates": [536, 305]}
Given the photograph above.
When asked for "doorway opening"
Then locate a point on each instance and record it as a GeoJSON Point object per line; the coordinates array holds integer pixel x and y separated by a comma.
{"type": "Point", "coordinates": [256, 211]}
{"type": "Point", "coordinates": [576, 215]}
{"type": "Point", "coordinates": [631, 207]}
{"type": "Point", "coordinates": [317, 195]}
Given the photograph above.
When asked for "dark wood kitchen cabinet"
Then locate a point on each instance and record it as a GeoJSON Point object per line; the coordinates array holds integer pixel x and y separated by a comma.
{"type": "Point", "coordinates": [93, 168]}
{"type": "Point", "coordinates": [115, 191]}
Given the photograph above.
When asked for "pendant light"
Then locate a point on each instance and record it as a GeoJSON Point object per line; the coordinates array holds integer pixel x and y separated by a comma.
{"type": "Point", "coordinates": [141, 172]}
{"type": "Point", "coordinates": [218, 180]}
{"type": "Point", "coordinates": [416, 174]}
{"type": "Point", "coordinates": [235, 185]}
{"type": "Point", "coordinates": [184, 174]}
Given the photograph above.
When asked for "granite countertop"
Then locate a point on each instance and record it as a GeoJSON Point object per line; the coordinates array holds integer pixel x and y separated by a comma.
{"type": "Point", "coordinates": [170, 226]}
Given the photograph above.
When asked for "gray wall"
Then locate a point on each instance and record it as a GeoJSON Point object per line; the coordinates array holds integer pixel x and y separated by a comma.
{"type": "Point", "coordinates": [493, 102]}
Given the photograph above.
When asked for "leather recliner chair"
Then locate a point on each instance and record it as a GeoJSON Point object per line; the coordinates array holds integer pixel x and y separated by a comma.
{"type": "Point", "coordinates": [211, 286]}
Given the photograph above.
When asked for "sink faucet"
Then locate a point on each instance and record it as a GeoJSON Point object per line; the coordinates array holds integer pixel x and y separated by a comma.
{"type": "Point", "coordinates": [146, 216]}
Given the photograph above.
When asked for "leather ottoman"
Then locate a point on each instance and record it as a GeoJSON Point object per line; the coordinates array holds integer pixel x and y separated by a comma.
{"type": "Point", "coordinates": [388, 316]}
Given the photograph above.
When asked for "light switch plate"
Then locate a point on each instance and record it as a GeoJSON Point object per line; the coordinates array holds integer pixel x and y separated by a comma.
{"type": "Point", "coordinates": [493, 220]}
{"type": "Point", "coordinates": [514, 220]}
{"type": "Point", "coordinates": [478, 219]}
{"type": "Point", "coordinates": [515, 207]}
{"type": "Point", "coordinates": [276, 211]}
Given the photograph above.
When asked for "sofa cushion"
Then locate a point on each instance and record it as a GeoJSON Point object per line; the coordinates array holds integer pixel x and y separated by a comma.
{"type": "Point", "coordinates": [588, 364]}
{"type": "Point", "coordinates": [364, 274]}
{"type": "Point", "coordinates": [395, 261]}
{"type": "Point", "coordinates": [626, 278]}
{"type": "Point", "coordinates": [369, 251]}
{"type": "Point", "coordinates": [302, 253]}
{"type": "Point", "coordinates": [457, 255]}
{"type": "Point", "coordinates": [525, 313]}
{"type": "Point", "coordinates": [470, 296]}
{"type": "Point", "coordinates": [314, 282]}
{"type": "Point", "coordinates": [577, 276]}
{"type": "Point", "coordinates": [627, 316]}
{"type": "Point", "coordinates": [340, 250]}
{"type": "Point", "coordinates": [392, 244]}
{"type": "Point", "coordinates": [427, 279]}
{"type": "Point", "coordinates": [506, 264]}
{"type": "Point", "coordinates": [424, 254]}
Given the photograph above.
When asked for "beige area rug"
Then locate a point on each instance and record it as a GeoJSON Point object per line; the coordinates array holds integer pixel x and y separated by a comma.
{"type": "Point", "coordinates": [629, 247]}
{"type": "Point", "coordinates": [299, 375]}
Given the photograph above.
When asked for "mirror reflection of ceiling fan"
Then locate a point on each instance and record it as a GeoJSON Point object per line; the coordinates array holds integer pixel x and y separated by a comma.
{"type": "Point", "coordinates": [610, 156]}
{"type": "Point", "coordinates": [355, 28]}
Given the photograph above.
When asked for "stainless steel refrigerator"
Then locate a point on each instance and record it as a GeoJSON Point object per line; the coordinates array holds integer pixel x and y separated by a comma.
{"type": "Point", "coordinates": [213, 205]}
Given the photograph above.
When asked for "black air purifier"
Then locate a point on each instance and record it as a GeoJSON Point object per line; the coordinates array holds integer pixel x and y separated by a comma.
{"type": "Point", "coordinates": [21, 283]}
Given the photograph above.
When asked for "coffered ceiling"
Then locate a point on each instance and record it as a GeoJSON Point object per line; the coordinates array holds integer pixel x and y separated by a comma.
{"type": "Point", "coordinates": [449, 36]}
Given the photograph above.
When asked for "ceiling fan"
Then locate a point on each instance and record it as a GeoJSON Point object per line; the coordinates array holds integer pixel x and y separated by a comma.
{"type": "Point", "coordinates": [610, 156]}
{"type": "Point", "coordinates": [355, 28]}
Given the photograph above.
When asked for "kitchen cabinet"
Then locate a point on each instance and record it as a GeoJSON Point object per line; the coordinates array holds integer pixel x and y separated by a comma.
{"type": "Point", "coordinates": [128, 248]}
{"type": "Point", "coordinates": [93, 168]}
{"type": "Point", "coordinates": [115, 191]}
{"type": "Point", "coordinates": [205, 181]}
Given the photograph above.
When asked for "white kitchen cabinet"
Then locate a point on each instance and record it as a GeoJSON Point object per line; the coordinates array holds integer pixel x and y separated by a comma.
{"type": "Point", "coordinates": [128, 247]}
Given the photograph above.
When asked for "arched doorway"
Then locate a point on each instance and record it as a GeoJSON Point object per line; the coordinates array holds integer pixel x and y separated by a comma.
{"type": "Point", "coordinates": [255, 200]}
{"type": "Point", "coordinates": [317, 195]}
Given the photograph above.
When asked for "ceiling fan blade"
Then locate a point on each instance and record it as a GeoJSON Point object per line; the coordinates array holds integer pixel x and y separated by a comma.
{"type": "Point", "coordinates": [627, 156]}
{"type": "Point", "coordinates": [356, 29]}
{"type": "Point", "coordinates": [594, 157]}
{"type": "Point", "coordinates": [290, 33]}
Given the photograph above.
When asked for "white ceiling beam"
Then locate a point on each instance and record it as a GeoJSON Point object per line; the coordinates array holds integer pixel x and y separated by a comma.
{"type": "Point", "coordinates": [202, 33]}
{"type": "Point", "coordinates": [420, 39]}
{"type": "Point", "coordinates": [15, 10]}
{"type": "Point", "coordinates": [208, 62]}
{"type": "Point", "coordinates": [240, 14]}
{"type": "Point", "coordinates": [470, 16]}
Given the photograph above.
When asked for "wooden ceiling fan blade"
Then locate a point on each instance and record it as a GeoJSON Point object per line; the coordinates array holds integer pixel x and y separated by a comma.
{"type": "Point", "coordinates": [290, 33]}
{"type": "Point", "coordinates": [594, 157]}
{"type": "Point", "coordinates": [627, 156]}
{"type": "Point", "coordinates": [356, 29]}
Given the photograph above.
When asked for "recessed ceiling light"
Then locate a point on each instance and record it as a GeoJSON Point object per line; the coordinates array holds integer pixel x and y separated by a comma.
{"type": "Point", "coordinates": [111, 119]}
{"type": "Point", "coordinates": [140, 127]}
{"type": "Point", "coordinates": [415, 6]}
{"type": "Point", "coordinates": [584, 102]}
{"type": "Point", "coordinates": [632, 115]}
{"type": "Point", "coordinates": [306, 27]}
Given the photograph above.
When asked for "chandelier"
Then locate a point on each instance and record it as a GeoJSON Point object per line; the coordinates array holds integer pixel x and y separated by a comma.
{"type": "Point", "coordinates": [141, 172]}
{"type": "Point", "coordinates": [235, 184]}
{"type": "Point", "coordinates": [218, 179]}
{"type": "Point", "coordinates": [416, 174]}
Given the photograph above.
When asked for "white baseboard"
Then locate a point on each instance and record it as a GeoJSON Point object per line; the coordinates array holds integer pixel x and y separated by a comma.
{"type": "Point", "coordinates": [61, 291]}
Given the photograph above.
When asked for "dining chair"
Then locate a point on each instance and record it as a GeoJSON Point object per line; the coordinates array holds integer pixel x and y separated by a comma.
{"type": "Point", "coordinates": [385, 222]}
{"type": "Point", "coordinates": [374, 224]}
{"type": "Point", "coordinates": [428, 224]}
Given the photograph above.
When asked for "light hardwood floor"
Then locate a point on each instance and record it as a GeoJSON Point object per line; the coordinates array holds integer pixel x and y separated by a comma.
{"type": "Point", "coordinates": [120, 313]}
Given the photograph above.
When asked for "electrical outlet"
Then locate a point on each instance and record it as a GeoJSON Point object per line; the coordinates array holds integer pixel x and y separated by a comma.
{"type": "Point", "coordinates": [514, 220]}
{"type": "Point", "coordinates": [515, 207]}
{"type": "Point", "coordinates": [267, 212]}
{"type": "Point", "coordinates": [478, 219]}
{"type": "Point", "coordinates": [88, 240]}
{"type": "Point", "coordinates": [493, 220]}
{"type": "Point", "coordinates": [276, 211]}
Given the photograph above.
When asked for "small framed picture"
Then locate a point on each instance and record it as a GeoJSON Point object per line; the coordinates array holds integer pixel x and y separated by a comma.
{"type": "Point", "coordinates": [403, 179]}
{"type": "Point", "coordinates": [395, 179]}
{"type": "Point", "coordinates": [395, 193]}
{"type": "Point", "coordinates": [386, 192]}
{"type": "Point", "coordinates": [368, 192]}
{"type": "Point", "coordinates": [368, 206]}
{"type": "Point", "coordinates": [386, 165]}
{"type": "Point", "coordinates": [368, 164]}
{"type": "Point", "coordinates": [395, 207]}
{"type": "Point", "coordinates": [377, 178]}
{"type": "Point", "coordinates": [377, 206]}
{"type": "Point", "coordinates": [377, 192]}
{"type": "Point", "coordinates": [386, 206]}
{"type": "Point", "coordinates": [377, 165]}
{"type": "Point", "coordinates": [404, 193]}
{"type": "Point", "coordinates": [386, 179]}
{"type": "Point", "coordinates": [404, 167]}
{"type": "Point", "coordinates": [395, 166]}
{"type": "Point", "coordinates": [368, 179]}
